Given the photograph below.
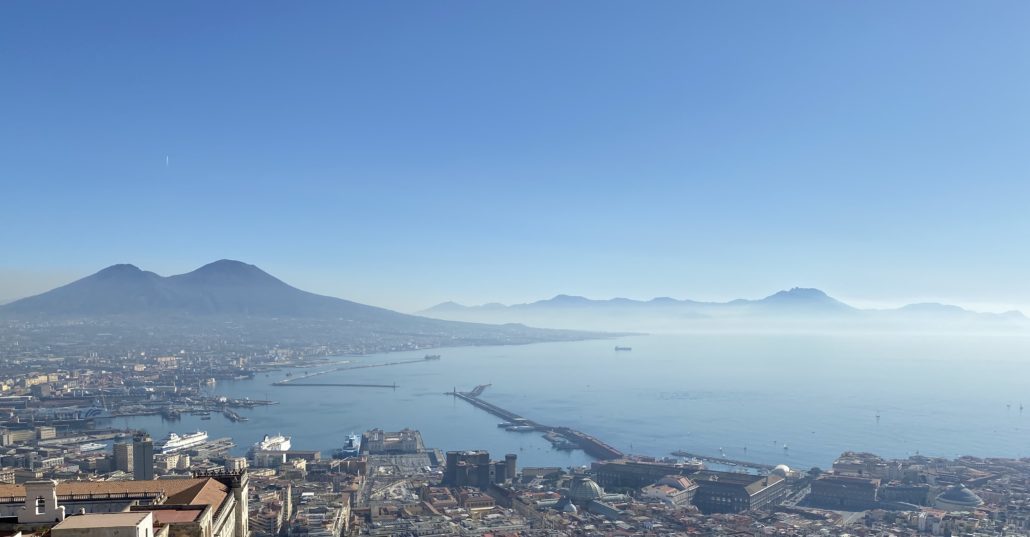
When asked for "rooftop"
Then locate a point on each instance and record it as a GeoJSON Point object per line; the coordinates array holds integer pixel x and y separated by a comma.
{"type": "Point", "coordinates": [102, 520]}
{"type": "Point", "coordinates": [194, 491]}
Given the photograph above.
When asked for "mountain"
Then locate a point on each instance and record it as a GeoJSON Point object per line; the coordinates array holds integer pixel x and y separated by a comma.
{"type": "Point", "coordinates": [234, 301]}
{"type": "Point", "coordinates": [795, 301]}
{"type": "Point", "coordinates": [221, 288]}
{"type": "Point", "coordinates": [800, 300]}
{"type": "Point", "coordinates": [796, 306]}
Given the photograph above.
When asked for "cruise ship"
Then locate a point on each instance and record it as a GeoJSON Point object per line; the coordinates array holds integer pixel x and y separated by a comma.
{"type": "Point", "coordinates": [174, 442]}
{"type": "Point", "coordinates": [92, 446]}
{"type": "Point", "coordinates": [273, 443]}
{"type": "Point", "coordinates": [352, 448]}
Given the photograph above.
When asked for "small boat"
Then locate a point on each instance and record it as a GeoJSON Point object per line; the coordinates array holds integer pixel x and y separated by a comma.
{"type": "Point", "coordinates": [432, 357]}
{"type": "Point", "coordinates": [623, 348]}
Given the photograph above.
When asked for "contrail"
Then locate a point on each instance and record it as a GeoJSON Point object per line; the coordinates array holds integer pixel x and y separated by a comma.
{"type": "Point", "coordinates": [166, 161]}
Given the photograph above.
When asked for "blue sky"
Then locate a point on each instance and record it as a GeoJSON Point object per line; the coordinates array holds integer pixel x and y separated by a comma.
{"type": "Point", "coordinates": [406, 153]}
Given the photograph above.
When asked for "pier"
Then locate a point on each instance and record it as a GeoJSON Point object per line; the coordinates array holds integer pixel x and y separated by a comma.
{"type": "Point", "coordinates": [589, 444]}
{"type": "Point", "coordinates": [723, 460]}
{"type": "Point", "coordinates": [345, 385]}
{"type": "Point", "coordinates": [294, 380]}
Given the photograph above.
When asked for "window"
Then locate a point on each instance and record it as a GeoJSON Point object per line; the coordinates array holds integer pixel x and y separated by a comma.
{"type": "Point", "coordinates": [40, 505]}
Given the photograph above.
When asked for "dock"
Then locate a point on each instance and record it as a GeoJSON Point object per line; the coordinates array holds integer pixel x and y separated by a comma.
{"type": "Point", "coordinates": [294, 380]}
{"type": "Point", "coordinates": [723, 460]}
{"type": "Point", "coordinates": [345, 385]}
{"type": "Point", "coordinates": [589, 444]}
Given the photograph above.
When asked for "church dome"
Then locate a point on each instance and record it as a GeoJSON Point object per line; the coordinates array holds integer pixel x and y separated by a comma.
{"type": "Point", "coordinates": [584, 489]}
{"type": "Point", "coordinates": [958, 498]}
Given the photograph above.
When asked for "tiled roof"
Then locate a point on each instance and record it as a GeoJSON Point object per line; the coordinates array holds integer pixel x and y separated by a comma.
{"type": "Point", "coordinates": [197, 491]}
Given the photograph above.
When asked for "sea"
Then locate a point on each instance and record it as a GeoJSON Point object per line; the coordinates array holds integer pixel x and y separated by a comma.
{"type": "Point", "coordinates": [796, 399]}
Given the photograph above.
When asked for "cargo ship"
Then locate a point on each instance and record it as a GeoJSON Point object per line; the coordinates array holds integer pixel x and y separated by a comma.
{"type": "Point", "coordinates": [174, 442]}
{"type": "Point", "coordinates": [352, 448]}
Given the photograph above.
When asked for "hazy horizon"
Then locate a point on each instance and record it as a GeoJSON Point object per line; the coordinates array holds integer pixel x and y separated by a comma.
{"type": "Point", "coordinates": [855, 302]}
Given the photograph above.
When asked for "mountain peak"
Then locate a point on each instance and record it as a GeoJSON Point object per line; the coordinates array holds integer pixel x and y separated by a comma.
{"type": "Point", "coordinates": [448, 306]}
{"type": "Point", "coordinates": [119, 269]}
{"type": "Point", "coordinates": [227, 265]}
{"type": "Point", "coordinates": [803, 300]}
{"type": "Point", "coordinates": [801, 293]}
{"type": "Point", "coordinates": [228, 271]}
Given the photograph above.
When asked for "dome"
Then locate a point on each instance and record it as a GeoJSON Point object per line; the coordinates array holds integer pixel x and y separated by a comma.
{"type": "Point", "coordinates": [584, 489]}
{"type": "Point", "coordinates": [958, 498]}
{"type": "Point", "coordinates": [781, 470]}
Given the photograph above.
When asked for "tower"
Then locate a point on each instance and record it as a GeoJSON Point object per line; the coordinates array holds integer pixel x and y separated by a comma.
{"type": "Point", "coordinates": [509, 466]}
{"type": "Point", "coordinates": [123, 458]}
{"type": "Point", "coordinates": [142, 458]}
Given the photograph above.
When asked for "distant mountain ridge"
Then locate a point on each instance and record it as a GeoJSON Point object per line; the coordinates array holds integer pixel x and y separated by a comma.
{"type": "Point", "coordinates": [792, 298]}
{"type": "Point", "coordinates": [795, 303]}
{"type": "Point", "coordinates": [232, 305]}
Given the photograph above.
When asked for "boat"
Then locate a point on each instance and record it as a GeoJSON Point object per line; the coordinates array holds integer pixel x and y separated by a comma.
{"type": "Point", "coordinates": [520, 428]}
{"type": "Point", "coordinates": [174, 442]}
{"type": "Point", "coordinates": [351, 448]}
{"type": "Point", "coordinates": [92, 446]}
{"type": "Point", "coordinates": [273, 443]}
{"type": "Point", "coordinates": [432, 357]}
{"type": "Point", "coordinates": [623, 348]}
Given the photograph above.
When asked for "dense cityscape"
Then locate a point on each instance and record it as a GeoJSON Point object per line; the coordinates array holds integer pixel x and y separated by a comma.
{"type": "Point", "coordinates": [67, 470]}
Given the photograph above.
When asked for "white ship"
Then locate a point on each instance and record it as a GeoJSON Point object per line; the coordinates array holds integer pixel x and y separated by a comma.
{"type": "Point", "coordinates": [273, 443]}
{"type": "Point", "coordinates": [174, 442]}
{"type": "Point", "coordinates": [92, 446]}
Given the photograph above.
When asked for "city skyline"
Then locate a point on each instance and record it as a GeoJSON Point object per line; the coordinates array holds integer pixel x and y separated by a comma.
{"type": "Point", "coordinates": [485, 153]}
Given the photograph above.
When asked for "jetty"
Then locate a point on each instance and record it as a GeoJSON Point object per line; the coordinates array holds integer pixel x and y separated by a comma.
{"type": "Point", "coordinates": [342, 384]}
{"type": "Point", "coordinates": [294, 380]}
{"type": "Point", "coordinates": [723, 460]}
{"type": "Point", "coordinates": [589, 444]}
